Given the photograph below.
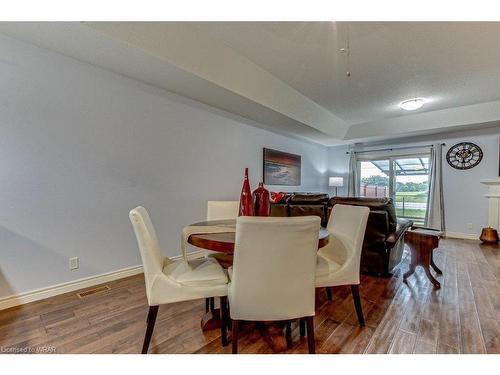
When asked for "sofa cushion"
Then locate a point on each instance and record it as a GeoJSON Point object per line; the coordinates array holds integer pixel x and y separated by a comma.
{"type": "Point", "coordinates": [309, 210]}
{"type": "Point", "coordinates": [302, 204]}
{"type": "Point", "coordinates": [279, 210]}
{"type": "Point", "coordinates": [308, 198]}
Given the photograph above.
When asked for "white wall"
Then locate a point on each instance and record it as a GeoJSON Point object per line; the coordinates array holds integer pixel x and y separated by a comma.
{"type": "Point", "coordinates": [338, 165]}
{"type": "Point", "coordinates": [463, 193]}
{"type": "Point", "coordinates": [80, 147]}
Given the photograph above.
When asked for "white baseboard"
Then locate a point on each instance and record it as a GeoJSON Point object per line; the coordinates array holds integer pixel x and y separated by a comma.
{"type": "Point", "coordinates": [462, 236]}
{"type": "Point", "coordinates": [71, 286]}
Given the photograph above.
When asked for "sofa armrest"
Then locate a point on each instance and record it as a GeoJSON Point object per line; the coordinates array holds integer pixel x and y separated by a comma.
{"type": "Point", "coordinates": [402, 226]}
{"type": "Point", "coordinates": [376, 229]}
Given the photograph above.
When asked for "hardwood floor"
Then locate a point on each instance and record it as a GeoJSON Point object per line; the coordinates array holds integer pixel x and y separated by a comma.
{"type": "Point", "coordinates": [462, 317]}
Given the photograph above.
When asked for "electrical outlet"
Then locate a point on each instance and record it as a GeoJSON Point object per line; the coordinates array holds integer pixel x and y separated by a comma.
{"type": "Point", "coordinates": [74, 263]}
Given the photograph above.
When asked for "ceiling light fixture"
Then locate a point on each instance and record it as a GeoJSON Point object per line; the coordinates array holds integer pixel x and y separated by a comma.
{"type": "Point", "coordinates": [412, 104]}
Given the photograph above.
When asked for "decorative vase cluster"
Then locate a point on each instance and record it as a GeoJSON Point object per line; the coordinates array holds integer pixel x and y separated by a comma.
{"type": "Point", "coordinates": [256, 203]}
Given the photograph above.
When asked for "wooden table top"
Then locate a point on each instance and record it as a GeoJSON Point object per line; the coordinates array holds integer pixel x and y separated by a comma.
{"type": "Point", "coordinates": [224, 242]}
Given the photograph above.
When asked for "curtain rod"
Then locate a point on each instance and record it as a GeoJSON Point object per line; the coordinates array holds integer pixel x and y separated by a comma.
{"type": "Point", "coordinates": [393, 148]}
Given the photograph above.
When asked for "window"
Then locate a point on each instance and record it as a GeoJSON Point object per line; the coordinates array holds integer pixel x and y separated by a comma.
{"type": "Point", "coordinates": [404, 178]}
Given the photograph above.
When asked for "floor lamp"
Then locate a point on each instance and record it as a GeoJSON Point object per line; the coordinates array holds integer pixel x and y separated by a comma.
{"type": "Point", "coordinates": [336, 182]}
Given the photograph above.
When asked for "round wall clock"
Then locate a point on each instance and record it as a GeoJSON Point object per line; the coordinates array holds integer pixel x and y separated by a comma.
{"type": "Point", "coordinates": [465, 155]}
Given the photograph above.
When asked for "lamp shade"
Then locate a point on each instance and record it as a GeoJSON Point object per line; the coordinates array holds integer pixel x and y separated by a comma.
{"type": "Point", "coordinates": [336, 181]}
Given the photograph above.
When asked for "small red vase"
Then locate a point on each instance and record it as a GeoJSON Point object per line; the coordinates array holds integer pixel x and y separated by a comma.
{"type": "Point", "coordinates": [261, 204]}
{"type": "Point", "coordinates": [246, 204]}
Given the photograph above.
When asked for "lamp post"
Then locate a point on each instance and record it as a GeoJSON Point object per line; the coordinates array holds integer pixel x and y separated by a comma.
{"type": "Point", "coordinates": [337, 181]}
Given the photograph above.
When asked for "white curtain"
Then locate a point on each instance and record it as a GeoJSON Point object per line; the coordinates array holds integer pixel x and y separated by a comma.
{"type": "Point", "coordinates": [434, 217]}
{"type": "Point", "coordinates": [353, 182]}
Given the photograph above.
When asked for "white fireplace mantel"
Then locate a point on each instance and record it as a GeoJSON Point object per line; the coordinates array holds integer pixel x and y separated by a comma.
{"type": "Point", "coordinates": [493, 202]}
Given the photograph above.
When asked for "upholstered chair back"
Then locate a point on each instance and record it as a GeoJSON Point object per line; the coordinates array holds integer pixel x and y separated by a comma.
{"type": "Point", "coordinates": [222, 210]}
{"type": "Point", "coordinates": [274, 268]}
{"type": "Point", "coordinates": [347, 226]}
{"type": "Point", "coordinates": [149, 247]}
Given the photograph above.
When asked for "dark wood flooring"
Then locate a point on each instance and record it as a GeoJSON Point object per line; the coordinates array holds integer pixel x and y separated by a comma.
{"type": "Point", "coordinates": [462, 317]}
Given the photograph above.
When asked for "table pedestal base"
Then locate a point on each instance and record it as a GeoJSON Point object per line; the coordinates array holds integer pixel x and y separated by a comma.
{"type": "Point", "coordinates": [211, 320]}
{"type": "Point", "coordinates": [274, 335]}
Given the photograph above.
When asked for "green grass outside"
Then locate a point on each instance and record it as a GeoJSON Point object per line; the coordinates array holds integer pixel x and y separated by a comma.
{"type": "Point", "coordinates": [417, 215]}
{"type": "Point", "coordinates": [410, 213]}
{"type": "Point", "coordinates": [412, 196]}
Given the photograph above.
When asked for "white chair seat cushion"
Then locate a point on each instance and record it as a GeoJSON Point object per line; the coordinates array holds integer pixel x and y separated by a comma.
{"type": "Point", "coordinates": [199, 272]}
{"type": "Point", "coordinates": [325, 266]}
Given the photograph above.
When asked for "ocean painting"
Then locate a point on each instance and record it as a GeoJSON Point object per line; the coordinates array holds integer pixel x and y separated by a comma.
{"type": "Point", "coordinates": [281, 168]}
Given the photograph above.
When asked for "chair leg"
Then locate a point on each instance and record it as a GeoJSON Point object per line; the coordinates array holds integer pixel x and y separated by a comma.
{"type": "Point", "coordinates": [310, 335]}
{"type": "Point", "coordinates": [212, 303]}
{"type": "Point", "coordinates": [329, 292]}
{"type": "Point", "coordinates": [288, 334]}
{"type": "Point", "coordinates": [223, 320]}
{"type": "Point", "coordinates": [153, 311]}
{"type": "Point", "coordinates": [302, 327]}
{"type": "Point", "coordinates": [357, 304]}
{"type": "Point", "coordinates": [235, 336]}
{"type": "Point", "coordinates": [207, 305]}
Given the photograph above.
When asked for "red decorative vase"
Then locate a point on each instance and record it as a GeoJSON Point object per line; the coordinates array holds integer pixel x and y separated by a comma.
{"type": "Point", "coordinates": [261, 203]}
{"type": "Point", "coordinates": [246, 204]}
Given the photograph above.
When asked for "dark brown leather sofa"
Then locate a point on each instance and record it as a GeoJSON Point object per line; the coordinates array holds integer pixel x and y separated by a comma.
{"type": "Point", "coordinates": [384, 238]}
{"type": "Point", "coordinates": [302, 204]}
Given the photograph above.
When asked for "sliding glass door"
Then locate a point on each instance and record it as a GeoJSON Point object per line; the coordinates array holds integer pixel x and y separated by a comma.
{"type": "Point", "coordinates": [404, 178]}
{"type": "Point", "coordinates": [411, 187]}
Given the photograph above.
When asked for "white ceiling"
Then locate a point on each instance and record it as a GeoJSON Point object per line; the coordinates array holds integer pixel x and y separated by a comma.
{"type": "Point", "coordinates": [291, 77]}
{"type": "Point", "coordinates": [452, 64]}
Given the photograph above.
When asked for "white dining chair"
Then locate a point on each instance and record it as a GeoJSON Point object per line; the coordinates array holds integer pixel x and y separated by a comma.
{"type": "Point", "coordinates": [339, 261]}
{"type": "Point", "coordinates": [222, 210]}
{"type": "Point", "coordinates": [273, 272]}
{"type": "Point", "coordinates": [169, 281]}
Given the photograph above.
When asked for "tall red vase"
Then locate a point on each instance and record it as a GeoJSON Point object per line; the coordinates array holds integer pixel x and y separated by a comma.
{"type": "Point", "coordinates": [261, 204]}
{"type": "Point", "coordinates": [246, 204]}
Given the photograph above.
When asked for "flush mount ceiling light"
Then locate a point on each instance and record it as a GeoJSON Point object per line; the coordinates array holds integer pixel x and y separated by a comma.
{"type": "Point", "coordinates": [412, 104]}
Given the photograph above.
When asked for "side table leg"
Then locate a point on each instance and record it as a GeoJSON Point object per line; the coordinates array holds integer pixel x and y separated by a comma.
{"type": "Point", "coordinates": [433, 265]}
{"type": "Point", "coordinates": [413, 263]}
{"type": "Point", "coordinates": [426, 262]}
{"type": "Point", "coordinates": [436, 283]}
{"type": "Point", "coordinates": [410, 272]}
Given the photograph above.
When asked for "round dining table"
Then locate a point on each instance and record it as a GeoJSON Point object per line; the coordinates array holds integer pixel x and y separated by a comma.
{"type": "Point", "coordinates": [223, 246]}
{"type": "Point", "coordinates": [223, 243]}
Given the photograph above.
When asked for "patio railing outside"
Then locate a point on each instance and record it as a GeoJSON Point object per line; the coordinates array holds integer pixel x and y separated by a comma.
{"type": "Point", "coordinates": [410, 205]}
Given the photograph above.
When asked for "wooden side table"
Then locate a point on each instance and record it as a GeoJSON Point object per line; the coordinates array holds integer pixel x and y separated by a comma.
{"type": "Point", "coordinates": [422, 243]}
